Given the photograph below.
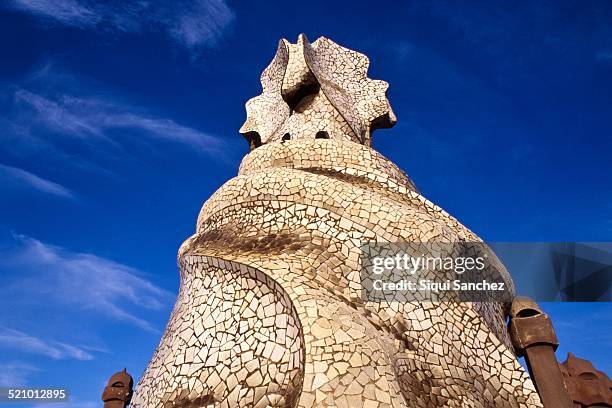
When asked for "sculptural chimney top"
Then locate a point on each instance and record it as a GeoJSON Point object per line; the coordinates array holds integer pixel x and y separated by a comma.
{"type": "Point", "coordinates": [318, 90]}
{"type": "Point", "coordinates": [586, 385]}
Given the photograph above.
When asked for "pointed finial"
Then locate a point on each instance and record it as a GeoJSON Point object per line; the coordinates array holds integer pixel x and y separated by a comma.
{"type": "Point", "coordinates": [318, 90]}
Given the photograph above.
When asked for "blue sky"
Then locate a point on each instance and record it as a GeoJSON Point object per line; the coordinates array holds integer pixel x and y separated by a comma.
{"type": "Point", "coordinates": [118, 119]}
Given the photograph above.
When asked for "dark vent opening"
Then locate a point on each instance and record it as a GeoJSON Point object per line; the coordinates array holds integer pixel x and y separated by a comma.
{"type": "Point", "coordinates": [528, 313]}
{"type": "Point", "coordinates": [321, 134]}
{"type": "Point", "coordinates": [305, 90]}
{"type": "Point", "coordinates": [286, 136]}
{"type": "Point", "coordinates": [253, 138]}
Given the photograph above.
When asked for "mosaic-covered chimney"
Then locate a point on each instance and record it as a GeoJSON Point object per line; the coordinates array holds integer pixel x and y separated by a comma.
{"type": "Point", "coordinates": [269, 311]}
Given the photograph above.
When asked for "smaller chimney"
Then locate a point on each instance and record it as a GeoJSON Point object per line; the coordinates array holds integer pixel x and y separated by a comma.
{"type": "Point", "coordinates": [118, 390]}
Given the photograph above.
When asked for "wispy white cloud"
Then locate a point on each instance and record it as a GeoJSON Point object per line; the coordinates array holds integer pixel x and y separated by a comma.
{"type": "Point", "coordinates": [16, 374]}
{"type": "Point", "coordinates": [92, 118]}
{"type": "Point", "coordinates": [88, 282]}
{"type": "Point", "coordinates": [30, 180]}
{"type": "Point", "coordinates": [17, 340]}
{"type": "Point", "coordinates": [203, 24]}
{"type": "Point", "coordinates": [69, 12]}
{"type": "Point", "coordinates": [193, 24]}
{"type": "Point", "coordinates": [55, 116]}
{"type": "Point", "coordinates": [19, 140]}
{"type": "Point", "coordinates": [75, 121]}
